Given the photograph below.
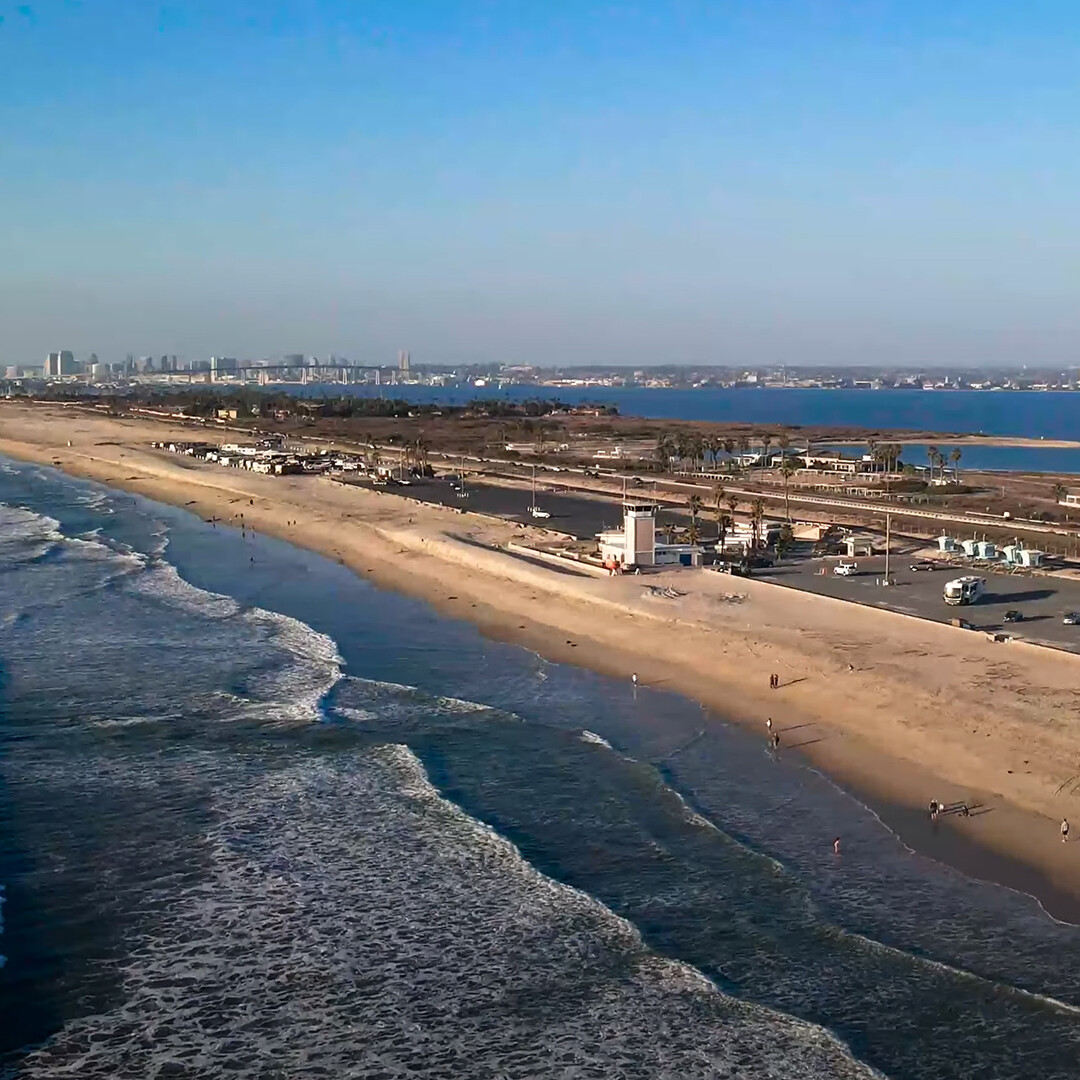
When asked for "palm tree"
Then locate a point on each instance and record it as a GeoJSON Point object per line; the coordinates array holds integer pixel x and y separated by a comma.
{"type": "Point", "coordinates": [682, 448]}
{"type": "Point", "coordinates": [694, 504]}
{"type": "Point", "coordinates": [783, 441]}
{"type": "Point", "coordinates": [723, 523]}
{"type": "Point", "coordinates": [932, 454]}
{"type": "Point", "coordinates": [718, 502]}
{"type": "Point", "coordinates": [787, 470]}
{"type": "Point", "coordinates": [715, 445]}
{"type": "Point", "coordinates": [663, 451]}
{"type": "Point", "coordinates": [955, 457]}
{"type": "Point", "coordinates": [420, 454]}
{"type": "Point", "coordinates": [743, 444]}
{"type": "Point", "coordinates": [784, 540]}
{"type": "Point", "coordinates": [766, 442]}
{"type": "Point", "coordinates": [697, 450]}
{"type": "Point", "coordinates": [941, 459]}
{"type": "Point", "coordinates": [757, 513]}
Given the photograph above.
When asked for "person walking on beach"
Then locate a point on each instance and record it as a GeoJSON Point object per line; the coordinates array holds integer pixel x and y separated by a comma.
{"type": "Point", "coordinates": [633, 678]}
{"type": "Point", "coordinates": [768, 724]}
{"type": "Point", "coordinates": [836, 846]}
{"type": "Point", "coordinates": [775, 741]}
{"type": "Point", "coordinates": [1064, 830]}
{"type": "Point", "coordinates": [935, 809]}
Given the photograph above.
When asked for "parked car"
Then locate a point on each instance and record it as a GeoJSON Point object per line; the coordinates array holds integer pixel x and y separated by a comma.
{"type": "Point", "coordinates": [1012, 615]}
{"type": "Point", "coordinates": [736, 569]}
{"type": "Point", "coordinates": [846, 569]}
{"type": "Point", "coordinates": [1071, 618]}
{"type": "Point", "coordinates": [924, 564]}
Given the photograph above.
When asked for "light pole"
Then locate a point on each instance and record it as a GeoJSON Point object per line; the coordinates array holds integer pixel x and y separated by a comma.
{"type": "Point", "coordinates": [888, 534]}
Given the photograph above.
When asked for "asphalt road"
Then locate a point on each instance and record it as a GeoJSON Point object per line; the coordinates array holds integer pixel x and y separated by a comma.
{"type": "Point", "coordinates": [1042, 600]}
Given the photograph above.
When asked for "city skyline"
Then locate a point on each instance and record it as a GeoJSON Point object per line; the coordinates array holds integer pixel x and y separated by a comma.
{"type": "Point", "coordinates": [732, 184]}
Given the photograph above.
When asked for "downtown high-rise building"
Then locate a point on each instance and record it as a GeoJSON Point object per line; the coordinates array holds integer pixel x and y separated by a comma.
{"type": "Point", "coordinates": [58, 364]}
{"type": "Point", "coordinates": [223, 366]}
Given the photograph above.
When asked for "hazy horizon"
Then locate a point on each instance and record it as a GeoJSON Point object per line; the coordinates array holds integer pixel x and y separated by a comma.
{"type": "Point", "coordinates": [744, 183]}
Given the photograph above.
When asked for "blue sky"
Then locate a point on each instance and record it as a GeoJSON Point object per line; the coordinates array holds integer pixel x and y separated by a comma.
{"type": "Point", "coordinates": [653, 182]}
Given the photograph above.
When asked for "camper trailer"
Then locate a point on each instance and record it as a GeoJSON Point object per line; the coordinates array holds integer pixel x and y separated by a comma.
{"type": "Point", "coordinates": [964, 590]}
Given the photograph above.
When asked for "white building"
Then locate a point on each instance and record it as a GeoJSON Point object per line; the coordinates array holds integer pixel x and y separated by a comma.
{"type": "Point", "coordinates": [859, 545]}
{"type": "Point", "coordinates": [635, 543]}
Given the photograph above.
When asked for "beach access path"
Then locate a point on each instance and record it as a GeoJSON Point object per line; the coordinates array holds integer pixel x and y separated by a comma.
{"type": "Point", "coordinates": [897, 709]}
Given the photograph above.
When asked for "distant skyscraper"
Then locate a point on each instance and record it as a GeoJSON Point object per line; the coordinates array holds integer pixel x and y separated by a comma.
{"type": "Point", "coordinates": [52, 366]}
{"type": "Point", "coordinates": [67, 362]}
{"type": "Point", "coordinates": [403, 361]}
{"type": "Point", "coordinates": [221, 366]}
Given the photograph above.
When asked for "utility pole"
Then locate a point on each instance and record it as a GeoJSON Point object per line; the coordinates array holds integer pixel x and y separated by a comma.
{"type": "Point", "coordinates": [888, 536]}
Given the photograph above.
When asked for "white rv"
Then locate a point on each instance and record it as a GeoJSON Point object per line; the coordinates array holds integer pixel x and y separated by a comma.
{"type": "Point", "coordinates": [964, 590]}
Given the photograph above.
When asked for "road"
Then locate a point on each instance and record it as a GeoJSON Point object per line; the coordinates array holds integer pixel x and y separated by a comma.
{"type": "Point", "coordinates": [1042, 600]}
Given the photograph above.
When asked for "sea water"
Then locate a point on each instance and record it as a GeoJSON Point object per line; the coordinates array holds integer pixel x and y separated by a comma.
{"type": "Point", "coordinates": [260, 819]}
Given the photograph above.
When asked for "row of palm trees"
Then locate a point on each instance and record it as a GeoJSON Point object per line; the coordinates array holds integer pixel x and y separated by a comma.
{"type": "Point", "coordinates": [698, 448]}
{"type": "Point", "coordinates": [938, 459]}
{"type": "Point", "coordinates": [414, 453]}
{"type": "Point", "coordinates": [725, 506]}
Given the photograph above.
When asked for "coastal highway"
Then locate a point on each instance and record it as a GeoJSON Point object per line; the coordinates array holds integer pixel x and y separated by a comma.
{"type": "Point", "coordinates": [1042, 600]}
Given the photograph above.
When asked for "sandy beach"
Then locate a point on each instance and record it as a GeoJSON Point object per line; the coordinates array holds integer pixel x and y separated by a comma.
{"type": "Point", "coordinates": [895, 709]}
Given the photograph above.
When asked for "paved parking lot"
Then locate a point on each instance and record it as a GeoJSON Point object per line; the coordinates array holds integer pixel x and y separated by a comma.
{"type": "Point", "coordinates": [569, 513]}
{"type": "Point", "coordinates": [1042, 600]}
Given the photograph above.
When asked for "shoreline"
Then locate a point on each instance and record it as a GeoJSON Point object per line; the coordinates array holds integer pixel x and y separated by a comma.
{"type": "Point", "coordinates": [607, 626]}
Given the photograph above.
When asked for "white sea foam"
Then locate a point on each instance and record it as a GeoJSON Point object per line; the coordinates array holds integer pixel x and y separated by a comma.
{"type": "Point", "coordinates": [596, 740]}
{"type": "Point", "coordinates": [162, 582]}
{"type": "Point", "coordinates": [353, 922]}
{"type": "Point", "coordinates": [292, 689]}
{"type": "Point", "coordinates": [21, 528]}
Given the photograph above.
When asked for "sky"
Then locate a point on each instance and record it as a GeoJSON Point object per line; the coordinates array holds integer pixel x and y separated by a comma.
{"type": "Point", "coordinates": [542, 181]}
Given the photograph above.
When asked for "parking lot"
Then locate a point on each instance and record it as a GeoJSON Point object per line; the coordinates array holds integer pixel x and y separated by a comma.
{"type": "Point", "coordinates": [581, 517]}
{"type": "Point", "coordinates": [1041, 600]}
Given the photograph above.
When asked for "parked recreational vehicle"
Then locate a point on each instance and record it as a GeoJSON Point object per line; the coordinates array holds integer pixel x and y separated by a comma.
{"type": "Point", "coordinates": [964, 590]}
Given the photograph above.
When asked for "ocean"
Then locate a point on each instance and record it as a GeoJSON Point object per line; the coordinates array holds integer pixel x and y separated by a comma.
{"type": "Point", "coordinates": [261, 819]}
{"type": "Point", "coordinates": [1025, 414]}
